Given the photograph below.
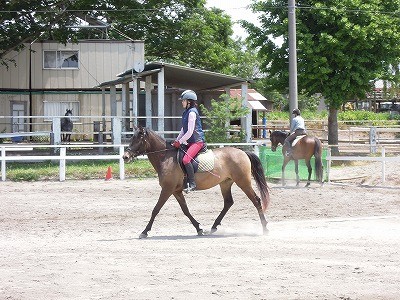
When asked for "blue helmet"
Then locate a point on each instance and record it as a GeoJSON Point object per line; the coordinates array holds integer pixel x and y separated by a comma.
{"type": "Point", "coordinates": [188, 95]}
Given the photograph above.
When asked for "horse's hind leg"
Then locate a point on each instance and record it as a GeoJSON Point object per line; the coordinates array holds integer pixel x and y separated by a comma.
{"type": "Point", "coordinates": [228, 202]}
{"type": "Point", "coordinates": [296, 170]}
{"type": "Point", "coordinates": [182, 203]}
{"type": "Point", "coordinates": [251, 194]}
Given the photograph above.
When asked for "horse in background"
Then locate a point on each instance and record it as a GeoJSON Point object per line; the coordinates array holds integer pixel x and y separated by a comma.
{"type": "Point", "coordinates": [66, 126]}
{"type": "Point", "coordinates": [304, 147]}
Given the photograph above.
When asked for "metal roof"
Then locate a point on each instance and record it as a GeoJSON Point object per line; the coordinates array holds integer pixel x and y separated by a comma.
{"type": "Point", "coordinates": [183, 77]}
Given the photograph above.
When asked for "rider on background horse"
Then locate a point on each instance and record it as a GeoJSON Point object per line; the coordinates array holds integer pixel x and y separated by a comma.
{"type": "Point", "coordinates": [297, 128]}
{"type": "Point", "coordinates": [191, 133]}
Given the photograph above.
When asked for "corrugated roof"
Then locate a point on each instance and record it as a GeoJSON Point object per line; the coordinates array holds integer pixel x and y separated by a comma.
{"type": "Point", "coordinates": [187, 78]}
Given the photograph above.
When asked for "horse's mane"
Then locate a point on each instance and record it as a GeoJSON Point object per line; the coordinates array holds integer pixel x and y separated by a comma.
{"type": "Point", "coordinates": [281, 132]}
{"type": "Point", "coordinates": [154, 135]}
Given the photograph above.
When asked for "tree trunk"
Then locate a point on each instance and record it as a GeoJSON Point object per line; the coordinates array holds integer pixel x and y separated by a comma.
{"type": "Point", "coordinates": [333, 133]}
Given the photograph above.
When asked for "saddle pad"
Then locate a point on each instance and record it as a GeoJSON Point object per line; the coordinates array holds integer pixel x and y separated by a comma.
{"type": "Point", "coordinates": [206, 161]}
{"type": "Point", "coordinates": [298, 138]}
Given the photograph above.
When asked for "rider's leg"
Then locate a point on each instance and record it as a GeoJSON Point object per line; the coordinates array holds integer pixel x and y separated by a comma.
{"type": "Point", "coordinates": [191, 153]}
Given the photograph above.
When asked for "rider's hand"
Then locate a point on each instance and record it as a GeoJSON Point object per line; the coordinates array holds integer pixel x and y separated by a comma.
{"type": "Point", "coordinates": [176, 144]}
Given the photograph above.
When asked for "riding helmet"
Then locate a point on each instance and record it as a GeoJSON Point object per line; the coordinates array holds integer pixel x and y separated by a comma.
{"type": "Point", "coordinates": [296, 112]}
{"type": "Point", "coordinates": [188, 95]}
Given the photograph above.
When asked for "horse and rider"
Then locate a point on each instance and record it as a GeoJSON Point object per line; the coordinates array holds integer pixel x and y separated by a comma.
{"type": "Point", "coordinates": [305, 147]}
{"type": "Point", "coordinates": [230, 165]}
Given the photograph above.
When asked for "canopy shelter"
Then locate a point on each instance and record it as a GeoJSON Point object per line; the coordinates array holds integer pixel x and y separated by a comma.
{"type": "Point", "coordinates": [160, 76]}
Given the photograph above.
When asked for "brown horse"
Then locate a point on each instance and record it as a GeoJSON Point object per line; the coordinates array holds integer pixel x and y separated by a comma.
{"type": "Point", "coordinates": [231, 165]}
{"type": "Point", "coordinates": [305, 148]}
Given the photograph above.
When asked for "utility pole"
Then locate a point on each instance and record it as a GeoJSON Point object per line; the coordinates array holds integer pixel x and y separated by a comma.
{"type": "Point", "coordinates": [292, 57]}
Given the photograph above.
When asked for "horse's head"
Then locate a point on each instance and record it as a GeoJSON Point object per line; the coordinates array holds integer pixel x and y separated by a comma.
{"type": "Point", "coordinates": [68, 112]}
{"type": "Point", "coordinates": [276, 138]}
{"type": "Point", "coordinates": [137, 144]}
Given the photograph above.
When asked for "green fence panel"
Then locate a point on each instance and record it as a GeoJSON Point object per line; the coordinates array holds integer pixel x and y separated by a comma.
{"type": "Point", "coordinates": [272, 164]}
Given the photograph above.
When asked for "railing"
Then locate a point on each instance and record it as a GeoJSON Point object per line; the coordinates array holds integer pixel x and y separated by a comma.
{"type": "Point", "coordinates": [62, 157]}
{"type": "Point", "coordinates": [383, 158]}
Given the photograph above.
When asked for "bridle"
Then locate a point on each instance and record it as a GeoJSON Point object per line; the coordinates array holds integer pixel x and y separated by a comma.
{"type": "Point", "coordinates": [142, 147]}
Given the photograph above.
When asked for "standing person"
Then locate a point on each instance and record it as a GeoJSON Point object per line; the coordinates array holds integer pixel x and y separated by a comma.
{"type": "Point", "coordinates": [297, 128]}
{"type": "Point", "coordinates": [191, 133]}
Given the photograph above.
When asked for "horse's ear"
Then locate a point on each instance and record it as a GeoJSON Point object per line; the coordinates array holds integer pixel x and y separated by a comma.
{"type": "Point", "coordinates": [142, 130]}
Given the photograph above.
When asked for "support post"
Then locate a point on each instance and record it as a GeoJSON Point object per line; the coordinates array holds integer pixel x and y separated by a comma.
{"type": "Point", "coordinates": [160, 103]}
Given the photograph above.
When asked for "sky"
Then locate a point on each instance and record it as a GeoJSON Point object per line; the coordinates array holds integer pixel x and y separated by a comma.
{"type": "Point", "coordinates": [238, 10]}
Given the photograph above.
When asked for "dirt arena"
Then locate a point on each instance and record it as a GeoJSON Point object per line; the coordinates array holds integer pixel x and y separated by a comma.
{"type": "Point", "coordinates": [79, 240]}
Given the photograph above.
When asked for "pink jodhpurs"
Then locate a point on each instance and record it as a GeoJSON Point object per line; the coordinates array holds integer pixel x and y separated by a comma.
{"type": "Point", "coordinates": [192, 151]}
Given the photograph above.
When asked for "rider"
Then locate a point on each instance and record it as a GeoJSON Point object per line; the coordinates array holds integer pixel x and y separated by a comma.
{"type": "Point", "coordinates": [191, 133]}
{"type": "Point", "coordinates": [297, 128]}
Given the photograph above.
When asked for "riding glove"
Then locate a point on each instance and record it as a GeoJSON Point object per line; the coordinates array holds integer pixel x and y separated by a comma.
{"type": "Point", "coordinates": [176, 144]}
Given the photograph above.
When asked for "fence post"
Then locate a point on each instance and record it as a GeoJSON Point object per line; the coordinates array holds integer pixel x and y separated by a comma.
{"type": "Point", "coordinates": [372, 139]}
{"type": "Point", "coordinates": [63, 152]}
{"type": "Point", "coordinates": [3, 163]}
{"type": "Point", "coordinates": [56, 132]}
{"type": "Point", "coordinates": [328, 164]}
{"type": "Point", "coordinates": [121, 163]}
{"type": "Point", "coordinates": [116, 131]}
{"type": "Point", "coordinates": [383, 165]}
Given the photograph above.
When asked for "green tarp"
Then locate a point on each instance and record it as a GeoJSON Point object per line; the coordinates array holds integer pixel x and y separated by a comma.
{"type": "Point", "coordinates": [272, 163]}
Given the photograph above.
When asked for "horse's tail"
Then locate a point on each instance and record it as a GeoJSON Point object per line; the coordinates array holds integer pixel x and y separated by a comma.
{"type": "Point", "coordinates": [318, 159]}
{"type": "Point", "coordinates": [257, 171]}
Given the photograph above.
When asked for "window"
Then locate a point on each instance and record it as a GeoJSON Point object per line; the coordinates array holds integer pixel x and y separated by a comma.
{"type": "Point", "coordinates": [56, 109]}
{"type": "Point", "coordinates": [66, 59]}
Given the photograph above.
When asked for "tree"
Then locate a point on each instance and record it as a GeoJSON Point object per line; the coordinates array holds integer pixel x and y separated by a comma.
{"type": "Point", "coordinates": [178, 31]}
{"type": "Point", "coordinates": [342, 45]}
{"type": "Point", "coordinates": [219, 116]}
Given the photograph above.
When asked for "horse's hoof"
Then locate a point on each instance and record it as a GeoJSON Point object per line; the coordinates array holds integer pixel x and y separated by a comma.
{"type": "Point", "coordinates": [200, 232]}
{"type": "Point", "coordinates": [213, 230]}
{"type": "Point", "coordinates": [265, 231]}
{"type": "Point", "coordinates": [143, 236]}
{"type": "Point", "coordinates": [308, 184]}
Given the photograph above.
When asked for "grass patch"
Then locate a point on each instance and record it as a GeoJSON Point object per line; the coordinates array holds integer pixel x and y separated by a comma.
{"type": "Point", "coordinates": [79, 170]}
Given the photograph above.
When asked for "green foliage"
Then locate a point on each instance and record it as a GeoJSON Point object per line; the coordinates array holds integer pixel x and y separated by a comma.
{"type": "Point", "coordinates": [307, 115]}
{"type": "Point", "coordinates": [362, 117]}
{"type": "Point", "coordinates": [342, 45]}
{"type": "Point", "coordinates": [220, 114]}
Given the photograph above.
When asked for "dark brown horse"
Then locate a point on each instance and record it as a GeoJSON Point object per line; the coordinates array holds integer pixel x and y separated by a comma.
{"type": "Point", "coordinates": [231, 165]}
{"type": "Point", "coordinates": [305, 148]}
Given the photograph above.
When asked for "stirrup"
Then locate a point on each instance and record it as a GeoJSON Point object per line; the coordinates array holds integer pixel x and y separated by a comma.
{"type": "Point", "coordinates": [288, 153]}
{"type": "Point", "coordinates": [189, 188]}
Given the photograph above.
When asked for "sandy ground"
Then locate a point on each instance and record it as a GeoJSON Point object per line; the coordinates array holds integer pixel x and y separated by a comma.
{"type": "Point", "coordinates": [79, 240]}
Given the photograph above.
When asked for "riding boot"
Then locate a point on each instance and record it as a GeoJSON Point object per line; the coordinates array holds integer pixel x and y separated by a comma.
{"type": "Point", "coordinates": [191, 184]}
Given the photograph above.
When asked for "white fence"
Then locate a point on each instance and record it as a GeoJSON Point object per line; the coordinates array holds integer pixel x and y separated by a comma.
{"type": "Point", "coordinates": [62, 157]}
{"type": "Point", "coordinates": [383, 159]}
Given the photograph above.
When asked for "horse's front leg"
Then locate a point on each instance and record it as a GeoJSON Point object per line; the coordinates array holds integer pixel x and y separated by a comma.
{"type": "Point", "coordinates": [228, 202]}
{"type": "Point", "coordinates": [160, 203]}
{"type": "Point", "coordinates": [296, 170]}
{"type": "Point", "coordinates": [308, 163]}
{"type": "Point", "coordinates": [285, 162]}
{"type": "Point", "coordinates": [182, 202]}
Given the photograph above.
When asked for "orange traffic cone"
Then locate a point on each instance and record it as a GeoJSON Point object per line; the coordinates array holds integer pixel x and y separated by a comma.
{"type": "Point", "coordinates": [109, 173]}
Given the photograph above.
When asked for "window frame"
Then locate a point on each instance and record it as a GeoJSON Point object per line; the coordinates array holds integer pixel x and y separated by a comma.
{"type": "Point", "coordinates": [60, 108]}
{"type": "Point", "coordinates": [58, 54]}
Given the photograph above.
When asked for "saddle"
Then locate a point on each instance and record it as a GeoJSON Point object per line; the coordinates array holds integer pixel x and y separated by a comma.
{"type": "Point", "coordinates": [297, 139]}
{"type": "Point", "coordinates": [203, 162]}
